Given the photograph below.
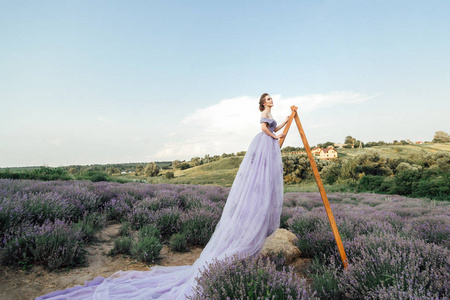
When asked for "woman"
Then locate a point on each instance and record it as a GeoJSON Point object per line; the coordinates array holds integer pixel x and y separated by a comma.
{"type": "Point", "coordinates": [251, 213]}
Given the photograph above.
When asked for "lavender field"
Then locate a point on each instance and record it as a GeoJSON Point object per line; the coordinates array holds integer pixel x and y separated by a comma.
{"type": "Point", "coordinates": [398, 247]}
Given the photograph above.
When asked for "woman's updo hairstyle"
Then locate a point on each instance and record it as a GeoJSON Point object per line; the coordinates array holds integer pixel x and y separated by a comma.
{"type": "Point", "coordinates": [262, 100]}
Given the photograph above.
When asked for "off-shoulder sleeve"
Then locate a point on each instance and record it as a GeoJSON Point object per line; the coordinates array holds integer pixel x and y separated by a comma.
{"type": "Point", "coordinates": [266, 120]}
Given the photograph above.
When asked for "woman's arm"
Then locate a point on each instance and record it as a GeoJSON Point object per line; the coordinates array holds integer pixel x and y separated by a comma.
{"type": "Point", "coordinates": [282, 124]}
{"type": "Point", "coordinates": [264, 127]}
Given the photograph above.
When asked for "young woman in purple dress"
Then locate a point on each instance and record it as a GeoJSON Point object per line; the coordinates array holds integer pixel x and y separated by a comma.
{"type": "Point", "coordinates": [251, 213]}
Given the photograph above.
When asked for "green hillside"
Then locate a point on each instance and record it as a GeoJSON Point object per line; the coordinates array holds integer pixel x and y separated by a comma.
{"type": "Point", "coordinates": [223, 171]}
{"type": "Point", "coordinates": [397, 151]}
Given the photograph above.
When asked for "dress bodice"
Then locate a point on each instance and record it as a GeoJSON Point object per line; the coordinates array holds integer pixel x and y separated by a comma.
{"type": "Point", "coordinates": [272, 123]}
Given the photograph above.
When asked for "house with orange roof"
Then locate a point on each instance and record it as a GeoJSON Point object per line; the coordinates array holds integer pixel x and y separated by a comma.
{"type": "Point", "coordinates": [316, 151]}
{"type": "Point", "coordinates": [328, 153]}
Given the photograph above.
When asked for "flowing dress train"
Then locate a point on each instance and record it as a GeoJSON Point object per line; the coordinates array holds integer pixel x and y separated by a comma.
{"type": "Point", "coordinates": [251, 213]}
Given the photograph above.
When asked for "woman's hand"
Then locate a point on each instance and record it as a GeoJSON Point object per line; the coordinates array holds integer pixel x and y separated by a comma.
{"type": "Point", "coordinates": [281, 135]}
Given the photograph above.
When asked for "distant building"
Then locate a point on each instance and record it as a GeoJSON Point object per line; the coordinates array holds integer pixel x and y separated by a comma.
{"type": "Point", "coordinates": [339, 145]}
{"type": "Point", "coordinates": [316, 151]}
{"type": "Point", "coordinates": [324, 154]}
{"type": "Point", "coordinates": [328, 153]}
{"type": "Point", "coordinates": [419, 142]}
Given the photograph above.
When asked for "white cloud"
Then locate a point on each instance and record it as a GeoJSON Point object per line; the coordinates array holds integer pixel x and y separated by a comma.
{"type": "Point", "coordinates": [229, 126]}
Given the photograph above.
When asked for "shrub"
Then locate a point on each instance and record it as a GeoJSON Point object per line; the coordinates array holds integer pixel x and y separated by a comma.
{"type": "Point", "coordinates": [89, 225]}
{"type": "Point", "coordinates": [437, 187]}
{"type": "Point", "coordinates": [149, 230]}
{"type": "Point", "coordinates": [325, 272]}
{"type": "Point", "coordinates": [139, 217]}
{"type": "Point", "coordinates": [431, 229]}
{"type": "Point", "coordinates": [184, 166]}
{"type": "Point", "coordinates": [178, 243]}
{"type": "Point", "coordinates": [370, 183]}
{"type": "Point", "coordinates": [315, 237]}
{"type": "Point", "coordinates": [410, 269]}
{"type": "Point", "coordinates": [249, 278]}
{"type": "Point", "coordinates": [170, 174]}
{"type": "Point", "coordinates": [199, 225]}
{"type": "Point", "coordinates": [42, 173]}
{"type": "Point", "coordinates": [96, 176]}
{"type": "Point", "coordinates": [44, 206]}
{"type": "Point", "coordinates": [117, 209]}
{"type": "Point", "coordinates": [122, 245]}
{"type": "Point", "coordinates": [146, 249]}
{"type": "Point", "coordinates": [53, 244]}
{"type": "Point", "coordinates": [167, 220]}
{"type": "Point", "coordinates": [151, 169]}
{"type": "Point", "coordinates": [405, 181]}
{"type": "Point", "coordinates": [125, 230]}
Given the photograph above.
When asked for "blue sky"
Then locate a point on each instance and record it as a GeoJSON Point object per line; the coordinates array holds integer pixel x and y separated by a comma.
{"type": "Point", "coordinates": [84, 82]}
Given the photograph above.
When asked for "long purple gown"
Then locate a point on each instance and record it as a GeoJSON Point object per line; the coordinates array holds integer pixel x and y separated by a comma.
{"type": "Point", "coordinates": [251, 213]}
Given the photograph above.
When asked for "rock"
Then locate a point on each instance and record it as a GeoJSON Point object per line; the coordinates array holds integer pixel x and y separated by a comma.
{"type": "Point", "coordinates": [281, 242]}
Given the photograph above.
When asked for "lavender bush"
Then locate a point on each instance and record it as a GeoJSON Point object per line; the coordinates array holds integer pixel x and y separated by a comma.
{"type": "Point", "coordinates": [89, 225]}
{"type": "Point", "coordinates": [122, 245]}
{"type": "Point", "coordinates": [147, 249]}
{"type": "Point", "coordinates": [53, 244]}
{"type": "Point", "coordinates": [199, 224]}
{"type": "Point", "coordinates": [249, 278]}
{"type": "Point", "coordinates": [167, 220]}
{"type": "Point", "coordinates": [125, 229]}
{"type": "Point", "coordinates": [395, 245]}
{"type": "Point", "coordinates": [178, 243]}
{"type": "Point", "coordinates": [410, 269]}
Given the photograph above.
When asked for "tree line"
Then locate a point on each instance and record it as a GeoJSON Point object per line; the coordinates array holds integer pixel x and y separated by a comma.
{"type": "Point", "coordinates": [417, 175]}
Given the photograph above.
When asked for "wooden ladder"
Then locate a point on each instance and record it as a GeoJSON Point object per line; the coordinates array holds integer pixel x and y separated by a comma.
{"type": "Point", "coordinates": [337, 237]}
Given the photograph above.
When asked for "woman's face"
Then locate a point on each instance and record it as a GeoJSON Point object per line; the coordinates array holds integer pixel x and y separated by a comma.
{"type": "Point", "coordinates": [268, 101]}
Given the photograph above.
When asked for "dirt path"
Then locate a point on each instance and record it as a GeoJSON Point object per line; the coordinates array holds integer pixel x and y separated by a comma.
{"type": "Point", "coordinates": [18, 284]}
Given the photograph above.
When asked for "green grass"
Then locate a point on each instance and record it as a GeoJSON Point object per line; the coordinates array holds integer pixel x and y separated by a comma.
{"type": "Point", "coordinates": [397, 151]}
{"type": "Point", "coordinates": [221, 172]}
{"type": "Point", "coordinates": [310, 186]}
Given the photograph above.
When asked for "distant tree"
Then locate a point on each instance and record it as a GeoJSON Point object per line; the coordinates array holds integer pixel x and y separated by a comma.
{"type": "Point", "coordinates": [371, 163]}
{"type": "Point", "coordinates": [139, 169]}
{"type": "Point", "coordinates": [349, 140]}
{"type": "Point", "coordinates": [184, 166]}
{"type": "Point", "coordinates": [112, 170]}
{"type": "Point", "coordinates": [151, 169]}
{"type": "Point", "coordinates": [176, 164]}
{"type": "Point", "coordinates": [72, 171]}
{"type": "Point", "coordinates": [170, 174]}
{"type": "Point", "coordinates": [441, 137]}
{"type": "Point", "coordinates": [403, 142]}
{"type": "Point", "coordinates": [242, 153]}
{"type": "Point", "coordinates": [324, 145]}
{"type": "Point", "coordinates": [196, 161]}
{"type": "Point", "coordinates": [395, 142]}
